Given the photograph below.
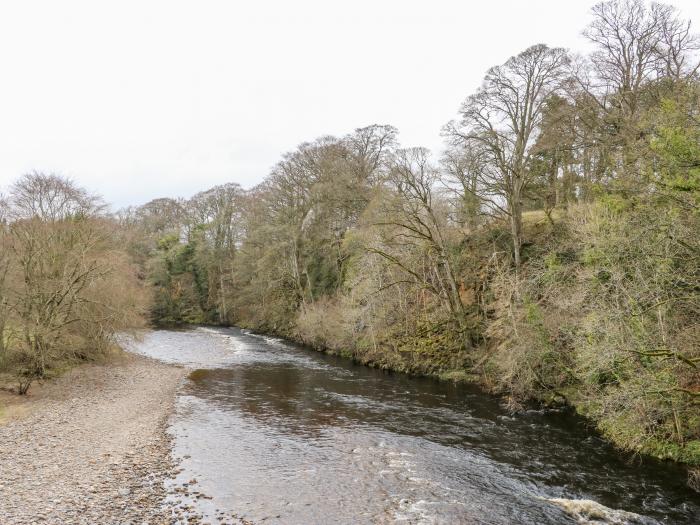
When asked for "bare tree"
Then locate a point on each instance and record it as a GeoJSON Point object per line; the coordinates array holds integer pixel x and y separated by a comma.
{"type": "Point", "coordinates": [503, 117]}
{"type": "Point", "coordinates": [71, 287]}
{"type": "Point", "coordinates": [465, 167]}
{"type": "Point", "coordinates": [216, 213]}
{"type": "Point", "coordinates": [161, 216]}
{"type": "Point", "coordinates": [635, 44]}
{"type": "Point", "coordinates": [369, 149]}
{"type": "Point", "coordinates": [413, 219]}
{"type": "Point", "coordinates": [677, 47]}
{"type": "Point", "coordinates": [51, 198]}
{"type": "Point", "coordinates": [5, 262]}
{"type": "Point", "coordinates": [626, 39]}
{"type": "Point", "coordinates": [637, 48]}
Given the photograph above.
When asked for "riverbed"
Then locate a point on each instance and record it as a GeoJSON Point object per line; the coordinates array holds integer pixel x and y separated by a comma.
{"type": "Point", "coordinates": [90, 447]}
{"type": "Point", "coordinates": [277, 433]}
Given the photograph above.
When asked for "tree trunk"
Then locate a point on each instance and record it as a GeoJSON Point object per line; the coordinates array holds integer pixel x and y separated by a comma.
{"type": "Point", "coordinates": [223, 314]}
{"type": "Point", "coordinates": [2, 337]}
{"type": "Point", "coordinates": [297, 273]}
{"type": "Point", "coordinates": [516, 222]}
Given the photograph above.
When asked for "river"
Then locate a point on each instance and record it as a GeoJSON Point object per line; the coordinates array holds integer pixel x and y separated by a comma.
{"type": "Point", "coordinates": [282, 434]}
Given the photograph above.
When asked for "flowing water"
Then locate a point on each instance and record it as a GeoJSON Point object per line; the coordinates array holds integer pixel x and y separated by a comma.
{"type": "Point", "coordinates": [283, 434]}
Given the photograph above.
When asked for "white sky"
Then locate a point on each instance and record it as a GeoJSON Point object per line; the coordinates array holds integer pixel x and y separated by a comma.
{"type": "Point", "coordinates": [142, 99]}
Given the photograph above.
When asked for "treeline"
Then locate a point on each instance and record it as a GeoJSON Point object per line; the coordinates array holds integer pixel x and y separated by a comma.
{"type": "Point", "coordinates": [66, 286]}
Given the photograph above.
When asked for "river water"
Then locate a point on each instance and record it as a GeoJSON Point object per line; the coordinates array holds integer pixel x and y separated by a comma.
{"type": "Point", "coordinates": [283, 434]}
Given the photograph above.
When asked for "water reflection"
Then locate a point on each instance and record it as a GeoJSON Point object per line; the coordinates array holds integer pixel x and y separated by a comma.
{"type": "Point", "coordinates": [279, 432]}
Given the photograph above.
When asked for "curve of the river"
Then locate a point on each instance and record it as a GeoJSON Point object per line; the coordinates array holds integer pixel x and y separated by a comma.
{"type": "Point", "coordinates": [283, 434]}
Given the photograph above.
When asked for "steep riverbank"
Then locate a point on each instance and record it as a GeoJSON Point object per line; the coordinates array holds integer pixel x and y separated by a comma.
{"type": "Point", "coordinates": [91, 446]}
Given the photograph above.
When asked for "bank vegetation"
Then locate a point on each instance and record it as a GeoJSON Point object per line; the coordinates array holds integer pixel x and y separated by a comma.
{"type": "Point", "coordinates": [66, 285]}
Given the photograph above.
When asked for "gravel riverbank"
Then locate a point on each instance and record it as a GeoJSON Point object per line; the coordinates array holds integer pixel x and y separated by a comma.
{"type": "Point", "coordinates": [91, 447]}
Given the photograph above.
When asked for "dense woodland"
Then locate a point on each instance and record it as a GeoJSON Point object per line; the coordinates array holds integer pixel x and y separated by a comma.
{"type": "Point", "coordinates": [551, 252]}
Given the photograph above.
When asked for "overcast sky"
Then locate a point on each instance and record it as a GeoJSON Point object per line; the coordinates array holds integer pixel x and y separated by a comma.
{"type": "Point", "coordinates": [148, 98]}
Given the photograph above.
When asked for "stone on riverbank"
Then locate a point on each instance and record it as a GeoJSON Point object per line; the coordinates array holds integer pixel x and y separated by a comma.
{"type": "Point", "coordinates": [92, 447]}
